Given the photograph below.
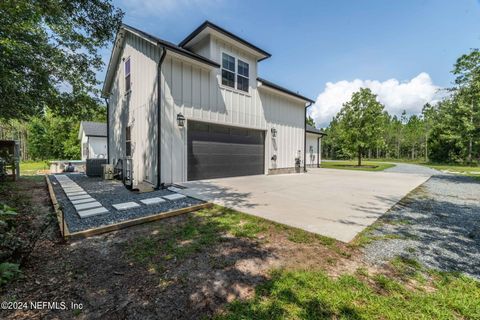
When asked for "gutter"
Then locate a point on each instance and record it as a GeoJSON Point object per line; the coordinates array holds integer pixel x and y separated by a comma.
{"type": "Point", "coordinates": [159, 119]}
{"type": "Point", "coordinates": [108, 130]}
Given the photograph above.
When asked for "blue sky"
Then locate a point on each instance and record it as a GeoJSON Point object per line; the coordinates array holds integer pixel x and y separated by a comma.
{"type": "Point", "coordinates": [404, 50]}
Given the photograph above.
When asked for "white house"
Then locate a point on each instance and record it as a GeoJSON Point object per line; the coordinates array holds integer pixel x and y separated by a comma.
{"type": "Point", "coordinates": [217, 117]}
{"type": "Point", "coordinates": [93, 140]}
{"type": "Point", "coordinates": [314, 146]}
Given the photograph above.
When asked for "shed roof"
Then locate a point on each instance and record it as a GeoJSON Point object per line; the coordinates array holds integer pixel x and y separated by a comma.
{"type": "Point", "coordinates": [94, 129]}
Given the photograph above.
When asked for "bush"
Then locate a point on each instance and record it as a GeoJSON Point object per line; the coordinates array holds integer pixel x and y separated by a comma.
{"type": "Point", "coordinates": [8, 271]}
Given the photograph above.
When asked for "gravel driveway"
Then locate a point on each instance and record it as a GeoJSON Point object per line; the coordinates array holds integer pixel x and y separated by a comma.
{"type": "Point", "coordinates": [437, 224]}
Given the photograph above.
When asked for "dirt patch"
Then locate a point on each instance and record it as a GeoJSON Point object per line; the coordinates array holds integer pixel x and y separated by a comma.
{"type": "Point", "coordinates": [101, 274]}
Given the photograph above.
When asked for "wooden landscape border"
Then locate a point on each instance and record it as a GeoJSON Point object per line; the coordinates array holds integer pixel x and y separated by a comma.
{"type": "Point", "coordinates": [67, 235]}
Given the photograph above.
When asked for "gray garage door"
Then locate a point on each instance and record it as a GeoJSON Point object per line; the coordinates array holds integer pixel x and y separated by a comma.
{"type": "Point", "coordinates": [216, 151]}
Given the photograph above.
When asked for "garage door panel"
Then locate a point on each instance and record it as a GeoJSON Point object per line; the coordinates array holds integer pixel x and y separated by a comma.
{"type": "Point", "coordinates": [216, 151]}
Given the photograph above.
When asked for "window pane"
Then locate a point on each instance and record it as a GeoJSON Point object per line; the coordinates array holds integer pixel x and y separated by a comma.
{"type": "Point", "coordinates": [228, 62]}
{"type": "Point", "coordinates": [228, 78]}
{"type": "Point", "coordinates": [127, 83]}
{"type": "Point", "coordinates": [127, 66]}
{"type": "Point", "coordinates": [242, 83]}
{"type": "Point", "coordinates": [128, 149]}
{"type": "Point", "coordinates": [127, 133]}
{"type": "Point", "coordinates": [242, 68]}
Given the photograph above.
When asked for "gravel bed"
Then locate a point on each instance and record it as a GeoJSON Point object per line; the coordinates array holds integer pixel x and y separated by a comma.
{"type": "Point", "coordinates": [438, 225]}
{"type": "Point", "coordinates": [109, 192]}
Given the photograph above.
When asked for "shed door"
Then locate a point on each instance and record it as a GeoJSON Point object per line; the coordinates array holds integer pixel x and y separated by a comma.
{"type": "Point", "coordinates": [216, 151]}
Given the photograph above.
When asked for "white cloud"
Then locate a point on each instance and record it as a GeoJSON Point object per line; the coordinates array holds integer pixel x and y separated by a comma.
{"type": "Point", "coordinates": [397, 96]}
{"type": "Point", "coordinates": [163, 7]}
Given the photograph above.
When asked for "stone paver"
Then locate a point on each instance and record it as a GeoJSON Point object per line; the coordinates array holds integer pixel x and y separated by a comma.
{"type": "Point", "coordinates": [150, 201]}
{"type": "Point", "coordinates": [83, 196]}
{"type": "Point", "coordinates": [92, 212]}
{"type": "Point", "coordinates": [125, 205]}
{"type": "Point", "coordinates": [174, 196]}
{"type": "Point", "coordinates": [88, 205]}
{"type": "Point", "coordinates": [89, 199]}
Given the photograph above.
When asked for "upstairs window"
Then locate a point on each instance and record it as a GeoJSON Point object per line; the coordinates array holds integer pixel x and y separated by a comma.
{"type": "Point", "coordinates": [128, 84]}
{"type": "Point", "coordinates": [242, 76]}
{"type": "Point", "coordinates": [235, 71]}
{"type": "Point", "coordinates": [228, 70]}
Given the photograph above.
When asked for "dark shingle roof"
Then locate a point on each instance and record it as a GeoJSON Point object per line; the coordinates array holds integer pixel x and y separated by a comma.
{"type": "Point", "coordinates": [312, 129]}
{"type": "Point", "coordinates": [284, 90]}
{"type": "Point", "coordinates": [97, 129]}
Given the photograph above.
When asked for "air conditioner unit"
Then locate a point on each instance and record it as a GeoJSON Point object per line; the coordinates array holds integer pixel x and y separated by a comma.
{"type": "Point", "coordinates": [108, 171]}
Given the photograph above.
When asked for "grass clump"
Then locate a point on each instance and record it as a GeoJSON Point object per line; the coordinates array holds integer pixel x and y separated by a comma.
{"type": "Point", "coordinates": [8, 271]}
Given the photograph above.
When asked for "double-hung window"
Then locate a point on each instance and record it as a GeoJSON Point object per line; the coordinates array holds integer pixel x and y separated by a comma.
{"type": "Point", "coordinates": [242, 76]}
{"type": "Point", "coordinates": [128, 84]}
{"type": "Point", "coordinates": [235, 73]}
{"type": "Point", "coordinates": [228, 70]}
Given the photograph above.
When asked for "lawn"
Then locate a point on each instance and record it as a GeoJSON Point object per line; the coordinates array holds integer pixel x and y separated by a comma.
{"type": "Point", "coordinates": [221, 263]}
{"type": "Point", "coordinates": [30, 168]}
{"type": "Point", "coordinates": [408, 292]}
{"type": "Point", "coordinates": [352, 165]}
{"type": "Point", "coordinates": [457, 169]}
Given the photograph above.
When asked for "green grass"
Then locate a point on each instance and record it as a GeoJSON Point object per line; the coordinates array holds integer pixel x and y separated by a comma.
{"type": "Point", "coordinates": [459, 169]}
{"type": "Point", "coordinates": [201, 229]}
{"type": "Point", "coordinates": [209, 226]}
{"type": "Point", "coordinates": [30, 168]}
{"type": "Point", "coordinates": [352, 165]}
{"type": "Point", "coordinates": [303, 294]}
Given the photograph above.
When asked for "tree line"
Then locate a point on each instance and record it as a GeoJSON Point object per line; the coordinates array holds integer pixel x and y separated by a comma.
{"type": "Point", "coordinates": [445, 132]}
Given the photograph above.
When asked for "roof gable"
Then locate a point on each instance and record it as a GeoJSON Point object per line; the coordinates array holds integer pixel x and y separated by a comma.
{"type": "Point", "coordinates": [208, 27]}
{"type": "Point", "coordinates": [118, 44]}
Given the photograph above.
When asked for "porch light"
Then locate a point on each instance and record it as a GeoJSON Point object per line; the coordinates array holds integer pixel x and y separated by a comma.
{"type": "Point", "coordinates": [180, 120]}
{"type": "Point", "coordinates": [274, 132]}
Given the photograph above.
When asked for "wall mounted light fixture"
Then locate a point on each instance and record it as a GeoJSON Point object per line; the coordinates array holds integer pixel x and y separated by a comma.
{"type": "Point", "coordinates": [180, 120]}
{"type": "Point", "coordinates": [274, 132]}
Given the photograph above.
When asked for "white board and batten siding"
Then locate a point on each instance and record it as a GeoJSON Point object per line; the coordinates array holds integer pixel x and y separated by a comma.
{"type": "Point", "coordinates": [195, 90]}
{"type": "Point", "coordinates": [313, 148]}
{"type": "Point", "coordinates": [137, 109]}
{"type": "Point", "coordinates": [197, 93]}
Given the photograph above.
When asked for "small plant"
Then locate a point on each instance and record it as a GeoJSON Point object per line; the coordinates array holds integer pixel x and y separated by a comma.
{"type": "Point", "coordinates": [8, 271]}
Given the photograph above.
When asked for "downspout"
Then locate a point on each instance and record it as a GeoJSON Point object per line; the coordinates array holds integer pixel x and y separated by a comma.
{"type": "Point", "coordinates": [159, 119]}
{"type": "Point", "coordinates": [318, 151]}
{"type": "Point", "coordinates": [108, 130]}
{"type": "Point", "coordinates": [305, 138]}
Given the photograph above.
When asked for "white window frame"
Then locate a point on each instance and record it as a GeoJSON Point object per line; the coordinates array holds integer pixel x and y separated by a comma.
{"type": "Point", "coordinates": [128, 75]}
{"type": "Point", "coordinates": [235, 74]}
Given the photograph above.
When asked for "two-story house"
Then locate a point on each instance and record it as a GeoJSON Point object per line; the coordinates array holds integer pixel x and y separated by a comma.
{"type": "Point", "coordinates": [198, 110]}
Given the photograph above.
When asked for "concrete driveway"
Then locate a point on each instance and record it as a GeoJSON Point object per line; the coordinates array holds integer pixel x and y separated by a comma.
{"type": "Point", "coordinates": [334, 203]}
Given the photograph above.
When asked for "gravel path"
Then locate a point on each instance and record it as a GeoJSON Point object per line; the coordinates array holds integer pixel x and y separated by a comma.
{"type": "Point", "coordinates": [109, 192]}
{"type": "Point", "coordinates": [438, 224]}
{"type": "Point", "coordinates": [412, 168]}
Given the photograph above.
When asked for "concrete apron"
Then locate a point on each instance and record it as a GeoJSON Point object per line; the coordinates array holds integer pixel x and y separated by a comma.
{"type": "Point", "coordinates": [330, 202]}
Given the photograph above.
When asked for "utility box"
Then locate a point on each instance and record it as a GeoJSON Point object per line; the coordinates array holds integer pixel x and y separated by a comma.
{"type": "Point", "coordinates": [108, 171]}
